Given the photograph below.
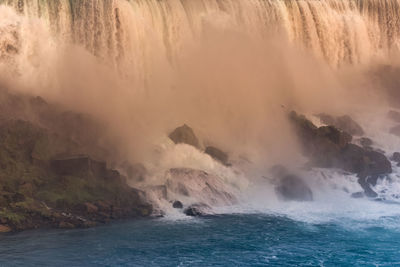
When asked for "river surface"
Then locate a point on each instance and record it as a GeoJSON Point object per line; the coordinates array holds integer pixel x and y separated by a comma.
{"type": "Point", "coordinates": [220, 240]}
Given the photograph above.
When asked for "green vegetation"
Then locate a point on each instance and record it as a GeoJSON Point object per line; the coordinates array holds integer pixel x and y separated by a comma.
{"type": "Point", "coordinates": [32, 192]}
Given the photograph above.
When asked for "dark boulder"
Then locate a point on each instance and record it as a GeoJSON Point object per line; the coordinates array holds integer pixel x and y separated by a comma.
{"type": "Point", "coordinates": [217, 154]}
{"type": "Point", "coordinates": [344, 123]}
{"type": "Point", "coordinates": [329, 147]}
{"type": "Point", "coordinates": [376, 163]}
{"type": "Point", "coordinates": [366, 142]}
{"type": "Point", "coordinates": [322, 145]}
{"type": "Point", "coordinates": [334, 135]}
{"type": "Point", "coordinates": [177, 205]}
{"type": "Point", "coordinates": [396, 158]}
{"type": "Point", "coordinates": [185, 135]}
{"type": "Point", "coordinates": [198, 209]}
{"type": "Point", "coordinates": [366, 186]}
{"type": "Point", "coordinates": [352, 159]}
{"type": "Point", "coordinates": [292, 187]}
{"type": "Point", "coordinates": [326, 119]}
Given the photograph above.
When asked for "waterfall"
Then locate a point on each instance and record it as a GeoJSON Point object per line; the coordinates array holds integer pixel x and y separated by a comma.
{"type": "Point", "coordinates": [126, 32]}
{"type": "Point", "coordinates": [229, 68]}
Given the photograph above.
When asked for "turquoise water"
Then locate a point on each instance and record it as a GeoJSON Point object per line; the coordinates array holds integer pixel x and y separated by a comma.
{"type": "Point", "coordinates": [224, 240]}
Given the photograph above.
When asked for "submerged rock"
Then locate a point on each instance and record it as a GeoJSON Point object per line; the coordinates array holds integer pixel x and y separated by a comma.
{"type": "Point", "coordinates": [290, 186]}
{"type": "Point", "coordinates": [177, 205]}
{"type": "Point", "coordinates": [217, 154]}
{"type": "Point", "coordinates": [185, 135]}
{"type": "Point", "coordinates": [198, 209]}
{"type": "Point", "coordinates": [396, 158]}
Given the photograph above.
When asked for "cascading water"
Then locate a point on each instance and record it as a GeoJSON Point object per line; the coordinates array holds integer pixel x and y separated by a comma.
{"type": "Point", "coordinates": [138, 56]}
{"type": "Point", "coordinates": [129, 33]}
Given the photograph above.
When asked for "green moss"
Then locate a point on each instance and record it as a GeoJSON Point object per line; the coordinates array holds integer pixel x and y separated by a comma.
{"type": "Point", "coordinates": [12, 216]}
{"type": "Point", "coordinates": [27, 181]}
{"type": "Point", "coordinates": [68, 191]}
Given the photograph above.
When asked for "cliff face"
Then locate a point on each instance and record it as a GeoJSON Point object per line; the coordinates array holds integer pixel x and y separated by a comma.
{"type": "Point", "coordinates": [47, 181]}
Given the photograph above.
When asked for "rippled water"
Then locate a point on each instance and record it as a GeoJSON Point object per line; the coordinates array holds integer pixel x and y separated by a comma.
{"type": "Point", "coordinates": [223, 240]}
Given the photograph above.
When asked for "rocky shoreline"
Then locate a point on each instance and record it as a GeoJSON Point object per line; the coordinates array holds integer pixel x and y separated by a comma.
{"type": "Point", "coordinates": [53, 173]}
{"type": "Point", "coordinates": [39, 190]}
{"type": "Point", "coordinates": [46, 180]}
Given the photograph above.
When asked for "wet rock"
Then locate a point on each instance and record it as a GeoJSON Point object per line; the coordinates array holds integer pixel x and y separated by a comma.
{"type": "Point", "coordinates": [206, 187]}
{"type": "Point", "coordinates": [177, 205]}
{"type": "Point", "coordinates": [396, 158]}
{"type": "Point", "coordinates": [66, 225]}
{"type": "Point", "coordinates": [322, 145]}
{"type": "Point", "coordinates": [217, 154]}
{"type": "Point", "coordinates": [5, 228]}
{"type": "Point", "coordinates": [366, 186]}
{"type": "Point", "coordinates": [331, 148]}
{"type": "Point", "coordinates": [366, 142]}
{"type": "Point", "coordinates": [104, 206]}
{"type": "Point", "coordinates": [185, 135]}
{"type": "Point", "coordinates": [76, 165]}
{"type": "Point", "coordinates": [89, 224]}
{"type": "Point", "coordinates": [344, 123]}
{"type": "Point", "coordinates": [90, 208]}
{"type": "Point", "coordinates": [352, 159]}
{"type": "Point", "coordinates": [376, 163]}
{"type": "Point", "coordinates": [326, 119]}
{"type": "Point", "coordinates": [57, 191]}
{"type": "Point", "coordinates": [334, 135]}
{"type": "Point", "coordinates": [199, 209]}
{"type": "Point", "coordinates": [394, 116]}
{"type": "Point", "coordinates": [292, 187]}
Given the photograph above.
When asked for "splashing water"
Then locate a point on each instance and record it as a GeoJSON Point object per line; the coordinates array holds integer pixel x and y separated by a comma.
{"type": "Point", "coordinates": [227, 66]}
